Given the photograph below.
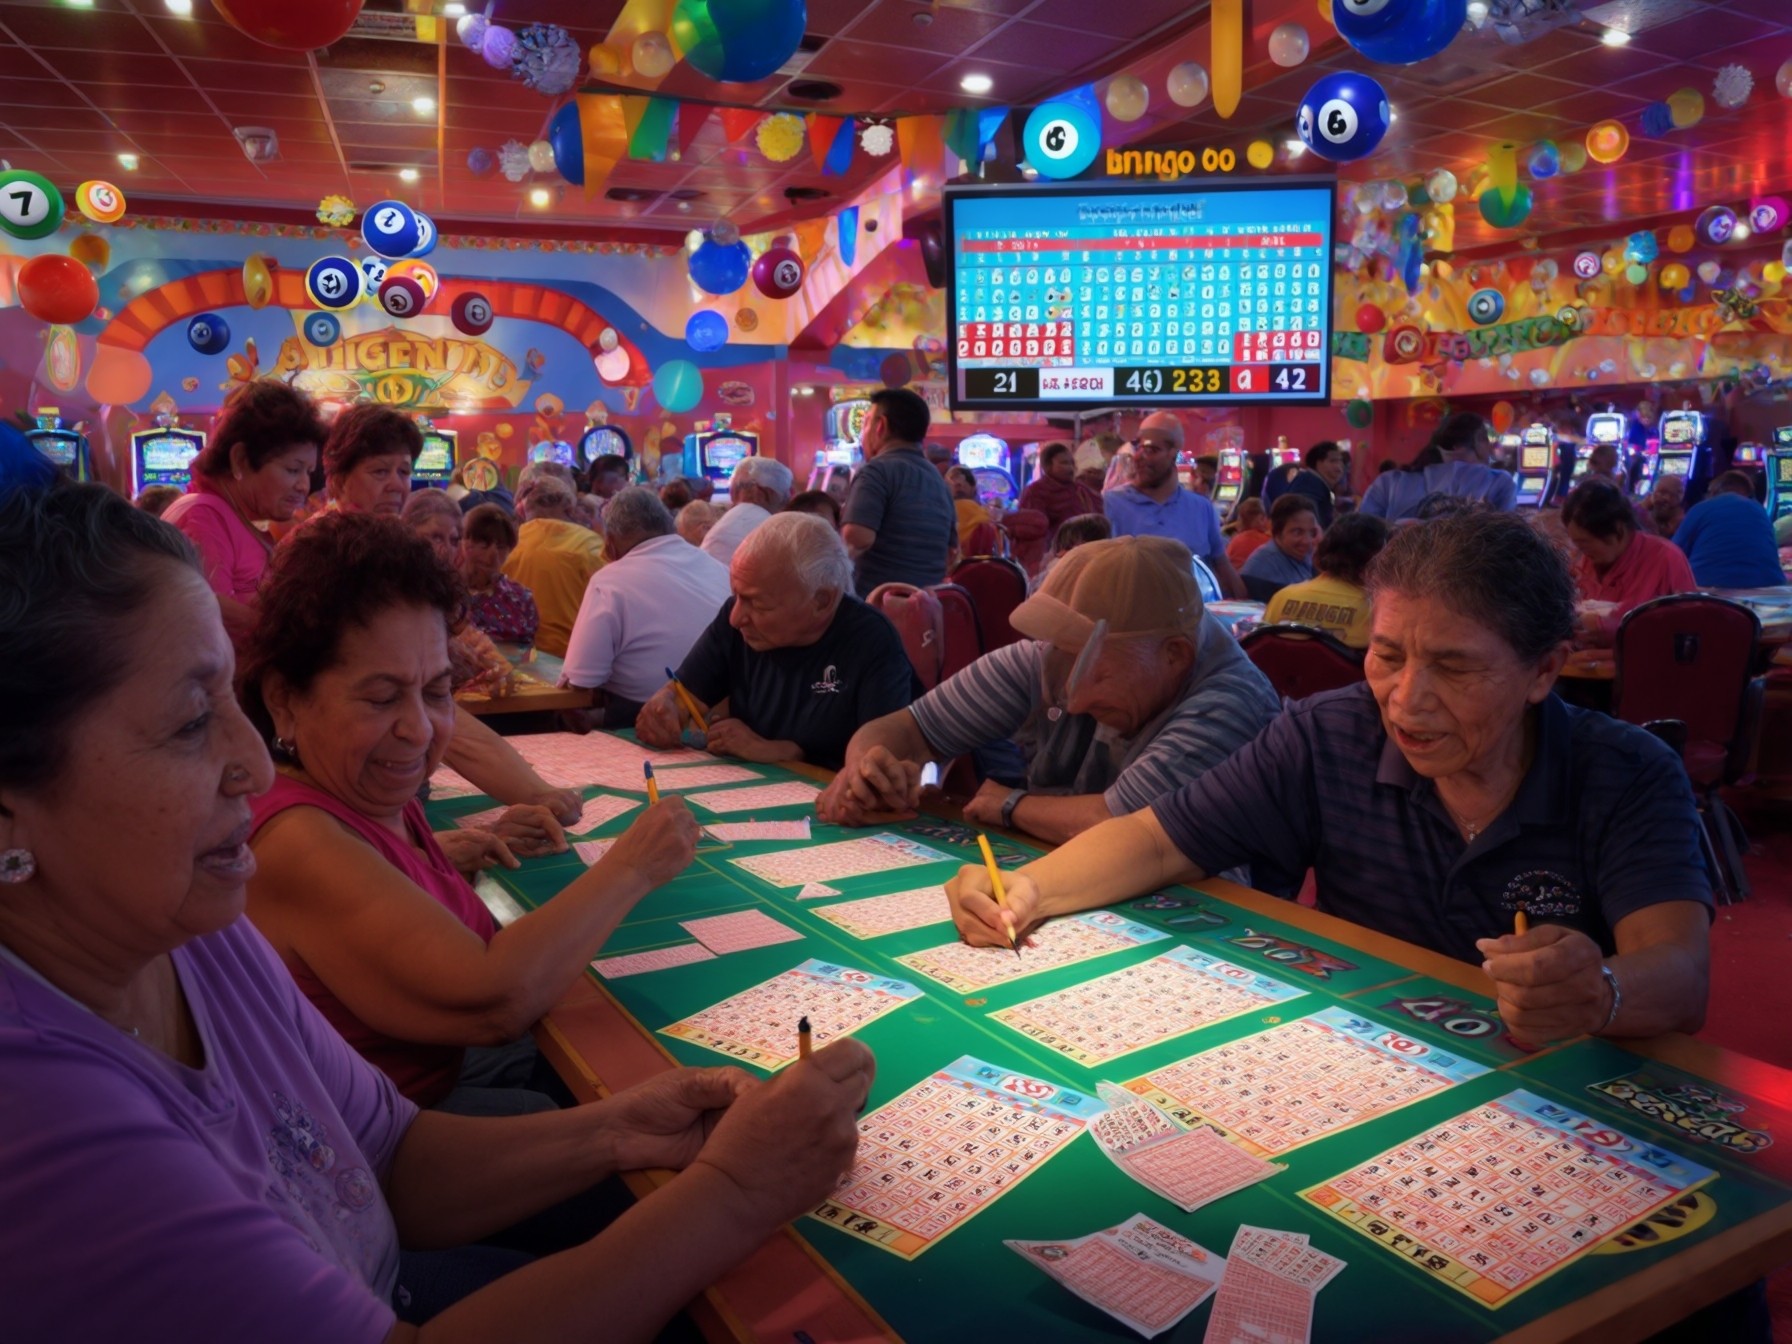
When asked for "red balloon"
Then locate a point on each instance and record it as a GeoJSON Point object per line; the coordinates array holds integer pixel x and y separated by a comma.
{"type": "Point", "coordinates": [58, 289]}
{"type": "Point", "coordinates": [896, 371]}
{"type": "Point", "coordinates": [291, 25]}
{"type": "Point", "coordinates": [778, 273]}
{"type": "Point", "coordinates": [1371, 319]}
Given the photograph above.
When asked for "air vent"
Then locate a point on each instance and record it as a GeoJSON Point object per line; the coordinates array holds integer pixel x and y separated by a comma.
{"type": "Point", "coordinates": [687, 194]}
{"type": "Point", "coordinates": [812, 91]}
{"type": "Point", "coordinates": [805, 194]}
{"type": "Point", "coordinates": [392, 27]}
{"type": "Point", "coordinates": [367, 166]}
{"type": "Point", "coordinates": [628, 195]}
{"type": "Point", "coordinates": [811, 43]}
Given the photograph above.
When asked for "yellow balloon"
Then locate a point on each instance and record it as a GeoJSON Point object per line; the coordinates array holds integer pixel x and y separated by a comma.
{"type": "Point", "coordinates": [1680, 238]}
{"type": "Point", "coordinates": [1612, 262]}
{"type": "Point", "coordinates": [1686, 108]}
{"type": "Point", "coordinates": [1675, 276]}
{"type": "Point", "coordinates": [1773, 272]}
{"type": "Point", "coordinates": [91, 250]}
{"type": "Point", "coordinates": [1260, 154]}
{"type": "Point", "coordinates": [605, 60]}
{"type": "Point", "coordinates": [258, 282]}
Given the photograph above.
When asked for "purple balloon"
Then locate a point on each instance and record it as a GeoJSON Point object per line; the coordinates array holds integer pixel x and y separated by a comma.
{"type": "Point", "coordinates": [499, 43]}
{"type": "Point", "coordinates": [481, 162]}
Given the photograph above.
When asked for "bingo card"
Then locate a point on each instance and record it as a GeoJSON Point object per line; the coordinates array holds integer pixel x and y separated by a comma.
{"type": "Point", "coordinates": [788, 793]}
{"type": "Point", "coordinates": [1057, 942]}
{"type": "Point", "coordinates": [829, 863]}
{"type": "Point", "coordinates": [1140, 1273]}
{"type": "Point", "coordinates": [758, 1025]}
{"type": "Point", "coordinates": [876, 915]}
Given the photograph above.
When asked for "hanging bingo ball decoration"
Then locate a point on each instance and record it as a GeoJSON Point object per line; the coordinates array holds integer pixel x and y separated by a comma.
{"type": "Point", "coordinates": [1486, 306]}
{"type": "Point", "coordinates": [57, 289]}
{"type": "Point", "coordinates": [334, 282]}
{"type": "Point", "coordinates": [1768, 214]}
{"type": "Point", "coordinates": [1587, 265]}
{"type": "Point", "coordinates": [30, 205]}
{"type": "Point", "coordinates": [1506, 210]}
{"type": "Point", "coordinates": [778, 273]}
{"type": "Point", "coordinates": [1343, 117]}
{"type": "Point", "coordinates": [1399, 32]}
{"type": "Point", "coordinates": [209, 334]}
{"type": "Point", "coordinates": [471, 313]}
{"type": "Point", "coordinates": [373, 273]}
{"type": "Point", "coordinates": [1062, 137]}
{"type": "Point", "coordinates": [322, 329]}
{"type": "Point", "coordinates": [402, 296]}
{"type": "Point", "coordinates": [738, 41]}
{"type": "Point", "coordinates": [1716, 225]}
{"type": "Point", "coordinates": [720, 270]}
{"type": "Point", "coordinates": [706, 331]}
{"type": "Point", "coordinates": [390, 229]}
{"type": "Point", "coordinates": [426, 236]}
{"type": "Point", "coordinates": [304, 25]}
{"type": "Point", "coordinates": [101, 202]}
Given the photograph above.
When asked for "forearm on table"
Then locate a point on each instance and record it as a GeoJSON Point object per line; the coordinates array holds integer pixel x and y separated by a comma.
{"type": "Point", "coordinates": [1059, 819]}
{"type": "Point", "coordinates": [1664, 987]}
{"type": "Point", "coordinates": [1123, 856]}
{"type": "Point", "coordinates": [899, 734]}
{"type": "Point", "coordinates": [488, 762]}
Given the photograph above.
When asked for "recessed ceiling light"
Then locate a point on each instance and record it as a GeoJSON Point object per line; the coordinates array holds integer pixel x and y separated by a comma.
{"type": "Point", "coordinates": [540, 197]}
{"type": "Point", "coordinates": [79, 4]}
{"type": "Point", "coordinates": [128, 162]}
{"type": "Point", "coordinates": [423, 105]}
{"type": "Point", "coordinates": [1614, 37]}
{"type": "Point", "coordinates": [1477, 11]}
{"type": "Point", "coordinates": [184, 8]}
{"type": "Point", "coordinates": [408, 174]}
{"type": "Point", "coordinates": [976, 83]}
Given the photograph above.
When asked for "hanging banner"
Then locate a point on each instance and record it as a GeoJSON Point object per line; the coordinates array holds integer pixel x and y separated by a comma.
{"type": "Point", "coordinates": [846, 227]}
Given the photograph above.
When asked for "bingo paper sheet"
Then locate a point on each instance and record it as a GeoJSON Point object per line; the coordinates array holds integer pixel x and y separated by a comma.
{"type": "Point", "coordinates": [1272, 1092]}
{"type": "Point", "coordinates": [789, 793]}
{"type": "Point", "coordinates": [1058, 942]}
{"type": "Point", "coordinates": [758, 1025]}
{"type": "Point", "coordinates": [732, 832]}
{"type": "Point", "coordinates": [874, 916]}
{"type": "Point", "coordinates": [1140, 1273]}
{"type": "Point", "coordinates": [655, 959]}
{"type": "Point", "coordinates": [1188, 1167]}
{"type": "Point", "coordinates": [597, 811]}
{"type": "Point", "coordinates": [1497, 1199]}
{"type": "Point", "coordinates": [701, 777]}
{"type": "Point", "coordinates": [939, 1153]}
{"type": "Point", "coordinates": [1141, 1005]}
{"type": "Point", "coordinates": [829, 863]}
{"type": "Point", "coordinates": [1267, 1291]}
{"type": "Point", "coordinates": [741, 931]}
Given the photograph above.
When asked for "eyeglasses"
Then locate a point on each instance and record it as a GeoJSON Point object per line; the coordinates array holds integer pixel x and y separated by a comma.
{"type": "Point", "coordinates": [1152, 446]}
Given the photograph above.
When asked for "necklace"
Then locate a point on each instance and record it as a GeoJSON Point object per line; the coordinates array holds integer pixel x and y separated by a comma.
{"type": "Point", "coordinates": [1471, 829]}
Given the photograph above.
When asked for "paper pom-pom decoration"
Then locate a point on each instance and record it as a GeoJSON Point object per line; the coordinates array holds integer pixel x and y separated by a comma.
{"type": "Point", "coordinates": [781, 136]}
{"type": "Point", "coordinates": [546, 59]}
{"type": "Point", "coordinates": [877, 140]}
{"type": "Point", "coordinates": [513, 160]}
{"type": "Point", "coordinates": [336, 211]}
{"type": "Point", "coordinates": [1732, 86]}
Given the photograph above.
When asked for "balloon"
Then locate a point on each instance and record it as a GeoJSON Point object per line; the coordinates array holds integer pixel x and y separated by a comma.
{"type": "Point", "coordinates": [607, 339]}
{"type": "Point", "coordinates": [1657, 120]}
{"type": "Point", "coordinates": [426, 236]}
{"type": "Point", "coordinates": [724, 232]}
{"type": "Point", "coordinates": [778, 273]}
{"type": "Point", "coordinates": [1393, 195]}
{"type": "Point", "coordinates": [1441, 186]}
{"type": "Point", "coordinates": [289, 26]}
{"type": "Point", "coordinates": [1768, 214]}
{"type": "Point", "coordinates": [1371, 319]}
{"type": "Point", "coordinates": [706, 331]}
{"type": "Point", "coordinates": [118, 376]}
{"type": "Point", "coordinates": [1716, 225]}
{"type": "Point", "coordinates": [322, 329]}
{"type": "Point", "coordinates": [1607, 141]}
{"type": "Point", "coordinates": [334, 282]}
{"type": "Point", "coordinates": [1343, 117]}
{"type": "Point", "coordinates": [1636, 273]}
{"type": "Point", "coordinates": [373, 275]}
{"type": "Point", "coordinates": [896, 371]}
{"type": "Point", "coordinates": [1503, 213]}
{"type": "Point", "coordinates": [1709, 271]}
{"type": "Point", "coordinates": [1786, 253]}
{"type": "Point", "coordinates": [1611, 261]}
{"type": "Point", "coordinates": [605, 59]}
{"type": "Point", "coordinates": [1127, 98]}
{"type": "Point", "coordinates": [1486, 306]}
{"type": "Point", "coordinates": [1399, 32]}
{"type": "Point", "coordinates": [1782, 80]}
{"type": "Point", "coordinates": [258, 282]}
{"type": "Point", "coordinates": [679, 385]}
{"type": "Point", "coordinates": [209, 334]}
{"type": "Point", "coordinates": [390, 229]}
{"type": "Point", "coordinates": [651, 55]}
{"type": "Point", "coordinates": [101, 202]}
{"type": "Point", "coordinates": [1187, 84]}
{"type": "Point", "coordinates": [481, 162]}
{"type": "Point", "coordinates": [1674, 276]}
{"type": "Point", "coordinates": [738, 41]}
{"type": "Point", "coordinates": [91, 250]}
{"type": "Point", "coordinates": [1544, 161]}
{"type": "Point", "coordinates": [541, 156]}
{"type": "Point", "coordinates": [1680, 238]}
{"type": "Point", "coordinates": [1774, 272]}
{"type": "Point", "coordinates": [1288, 44]}
{"type": "Point", "coordinates": [1686, 108]}
{"type": "Point", "coordinates": [498, 47]}
{"type": "Point", "coordinates": [57, 289]}
{"type": "Point", "coordinates": [1641, 247]}
{"type": "Point", "coordinates": [420, 271]}
{"type": "Point", "coordinates": [471, 313]}
{"type": "Point", "coordinates": [30, 204]}
{"type": "Point", "coordinates": [1260, 154]}
{"type": "Point", "coordinates": [1574, 157]}
{"type": "Point", "coordinates": [720, 270]}
{"type": "Point", "coordinates": [1359, 413]}
{"type": "Point", "coordinates": [613, 365]}
{"type": "Point", "coordinates": [402, 296]}
{"type": "Point", "coordinates": [568, 144]}
{"type": "Point", "coordinates": [1502, 416]}
{"type": "Point", "coordinates": [1062, 137]}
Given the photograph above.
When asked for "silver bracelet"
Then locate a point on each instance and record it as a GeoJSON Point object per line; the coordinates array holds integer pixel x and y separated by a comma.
{"type": "Point", "coordinates": [1611, 978]}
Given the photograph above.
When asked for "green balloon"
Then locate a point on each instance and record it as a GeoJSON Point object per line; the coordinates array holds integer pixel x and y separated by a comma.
{"type": "Point", "coordinates": [1359, 413]}
{"type": "Point", "coordinates": [694, 33]}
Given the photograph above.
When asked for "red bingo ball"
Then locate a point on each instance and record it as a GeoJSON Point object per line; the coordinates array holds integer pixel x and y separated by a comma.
{"type": "Point", "coordinates": [778, 273]}
{"type": "Point", "coordinates": [471, 314]}
{"type": "Point", "coordinates": [401, 296]}
{"type": "Point", "coordinates": [57, 289]}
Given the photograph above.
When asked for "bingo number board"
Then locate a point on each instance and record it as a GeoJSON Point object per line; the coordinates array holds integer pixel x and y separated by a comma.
{"type": "Point", "coordinates": [1205, 293]}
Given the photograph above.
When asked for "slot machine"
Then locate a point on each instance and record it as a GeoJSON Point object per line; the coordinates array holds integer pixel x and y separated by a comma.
{"type": "Point", "coordinates": [67, 448]}
{"type": "Point", "coordinates": [1281, 465]}
{"type": "Point", "coordinates": [1751, 460]}
{"type": "Point", "coordinates": [164, 456]}
{"type": "Point", "coordinates": [1603, 427]}
{"type": "Point", "coordinates": [840, 451]}
{"type": "Point", "coordinates": [606, 441]}
{"type": "Point", "coordinates": [717, 452]}
{"type": "Point", "coordinates": [1029, 463]}
{"type": "Point", "coordinates": [1648, 466]}
{"type": "Point", "coordinates": [1506, 451]}
{"type": "Point", "coordinates": [434, 469]}
{"type": "Point", "coordinates": [1536, 466]}
{"type": "Point", "coordinates": [1779, 474]}
{"type": "Point", "coordinates": [1683, 451]}
{"type": "Point", "coordinates": [1228, 484]}
{"type": "Point", "coordinates": [987, 457]}
{"type": "Point", "coordinates": [1282, 455]}
{"type": "Point", "coordinates": [556, 451]}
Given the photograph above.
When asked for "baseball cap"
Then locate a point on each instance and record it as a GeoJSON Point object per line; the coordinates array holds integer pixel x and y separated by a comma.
{"type": "Point", "coordinates": [1138, 585]}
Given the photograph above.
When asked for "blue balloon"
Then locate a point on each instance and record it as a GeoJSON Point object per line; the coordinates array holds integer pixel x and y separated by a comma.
{"type": "Point", "coordinates": [1343, 116]}
{"type": "Point", "coordinates": [568, 144]}
{"type": "Point", "coordinates": [720, 270]}
{"type": "Point", "coordinates": [209, 334]}
{"type": "Point", "coordinates": [481, 162]}
{"type": "Point", "coordinates": [1399, 32]}
{"type": "Point", "coordinates": [1062, 137]}
{"type": "Point", "coordinates": [751, 38]}
{"type": "Point", "coordinates": [1657, 120]}
{"type": "Point", "coordinates": [322, 329]}
{"type": "Point", "coordinates": [1486, 306]}
{"type": "Point", "coordinates": [706, 331]}
{"type": "Point", "coordinates": [390, 229]}
{"type": "Point", "coordinates": [678, 385]}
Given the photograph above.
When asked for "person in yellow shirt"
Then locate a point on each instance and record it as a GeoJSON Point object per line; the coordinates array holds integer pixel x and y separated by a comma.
{"type": "Point", "coordinates": [1334, 600]}
{"type": "Point", "coordinates": [555, 557]}
{"type": "Point", "coordinates": [971, 513]}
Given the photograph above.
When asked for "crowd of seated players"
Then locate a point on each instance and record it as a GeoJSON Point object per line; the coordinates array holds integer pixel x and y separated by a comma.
{"type": "Point", "coordinates": [269, 1054]}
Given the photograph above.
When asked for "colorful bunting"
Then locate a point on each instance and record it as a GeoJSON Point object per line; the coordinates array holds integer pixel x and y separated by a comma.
{"type": "Point", "coordinates": [692, 118]}
{"type": "Point", "coordinates": [847, 227]}
{"type": "Point", "coordinates": [811, 237]}
{"type": "Point", "coordinates": [831, 143]}
{"type": "Point", "coordinates": [649, 122]}
{"type": "Point", "coordinates": [738, 122]}
{"type": "Point", "coordinates": [923, 149]}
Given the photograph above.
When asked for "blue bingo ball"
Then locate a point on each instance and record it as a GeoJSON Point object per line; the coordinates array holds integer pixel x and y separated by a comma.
{"type": "Point", "coordinates": [1343, 117]}
{"type": "Point", "coordinates": [333, 282]}
{"type": "Point", "coordinates": [208, 333]}
{"type": "Point", "coordinates": [1486, 306]}
{"type": "Point", "coordinates": [373, 273]}
{"type": "Point", "coordinates": [1399, 32]}
{"type": "Point", "coordinates": [390, 228]}
{"type": "Point", "coordinates": [322, 329]}
{"type": "Point", "coordinates": [1062, 137]}
{"type": "Point", "coordinates": [426, 236]}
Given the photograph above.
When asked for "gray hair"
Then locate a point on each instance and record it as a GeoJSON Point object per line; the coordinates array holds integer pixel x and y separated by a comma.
{"type": "Point", "coordinates": [426, 504]}
{"type": "Point", "coordinates": [536, 470]}
{"type": "Point", "coordinates": [636, 514]}
{"type": "Point", "coordinates": [812, 549]}
{"type": "Point", "coordinates": [1492, 568]}
{"type": "Point", "coordinates": [549, 491]}
{"type": "Point", "coordinates": [766, 472]}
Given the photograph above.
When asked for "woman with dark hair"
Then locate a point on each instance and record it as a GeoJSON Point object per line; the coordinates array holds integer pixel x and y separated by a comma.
{"type": "Point", "coordinates": [368, 458]}
{"type": "Point", "coordinates": [1454, 462]}
{"type": "Point", "coordinates": [1619, 567]}
{"type": "Point", "coordinates": [256, 468]}
{"type": "Point", "coordinates": [1335, 601]}
{"type": "Point", "coordinates": [496, 603]}
{"type": "Point", "coordinates": [177, 1114]}
{"type": "Point", "coordinates": [1293, 533]}
{"type": "Point", "coordinates": [1056, 492]}
{"type": "Point", "coordinates": [818, 502]}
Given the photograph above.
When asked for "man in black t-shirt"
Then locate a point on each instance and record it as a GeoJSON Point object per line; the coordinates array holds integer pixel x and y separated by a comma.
{"type": "Point", "coordinates": [793, 663]}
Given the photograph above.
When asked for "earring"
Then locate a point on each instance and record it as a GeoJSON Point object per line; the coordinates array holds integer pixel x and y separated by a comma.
{"type": "Point", "coordinates": [286, 751]}
{"type": "Point", "coordinates": [17, 865]}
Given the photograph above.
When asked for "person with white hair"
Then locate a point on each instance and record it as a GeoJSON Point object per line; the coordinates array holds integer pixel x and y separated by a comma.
{"type": "Point", "coordinates": [643, 610]}
{"type": "Point", "coordinates": [759, 488]}
{"type": "Point", "coordinates": [793, 663]}
{"type": "Point", "coordinates": [555, 557]}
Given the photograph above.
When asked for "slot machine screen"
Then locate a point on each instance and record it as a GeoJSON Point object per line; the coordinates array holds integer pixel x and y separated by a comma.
{"type": "Point", "coordinates": [1535, 458]}
{"type": "Point", "coordinates": [436, 461]}
{"type": "Point", "coordinates": [1677, 465]}
{"type": "Point", "coordinates": [1782, 437]}
{"type": "Point", "coordinates": [1783, 471]}
{"type": "Point", "coordinates": [1537, 434]}
{"type": "Point", "coordinates": [1203, 293]}
{"type": "Point", "coordinates": [1677, 431]}
{"type": "Point", "coordinates": [170, 453]}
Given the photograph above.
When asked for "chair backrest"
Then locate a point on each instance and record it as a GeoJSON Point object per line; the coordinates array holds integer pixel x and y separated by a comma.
{"type": "Point", "coordinates": [985, 539]}
{"type": "Point", "coordinates": [1206, 581]}
{"type": "Point", "coordinates": [1690, 657]}
{"type": "Point", "coordinates": [1029, 537]}
{"type": "Point", "coordinates": [997, 586]}
{"type": "Point", "coordinates": [1301, 661]}
{"type": "Point", "coordinates": [919, 619]}
{"type": "Point", "coordinates": [964, 632]}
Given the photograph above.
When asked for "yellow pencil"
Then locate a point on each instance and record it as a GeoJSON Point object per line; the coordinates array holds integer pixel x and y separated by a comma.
{"type": "Point", "coordinates": [802, 1038]}
{"type": "Point", "coordinates": [995, 880]}
{"type": "Point", "coordinates": [1521, 923]}
{"type": "Point", "coordinates": [685, 699]}
{"type": "Point", "coordinates": [653, 785]}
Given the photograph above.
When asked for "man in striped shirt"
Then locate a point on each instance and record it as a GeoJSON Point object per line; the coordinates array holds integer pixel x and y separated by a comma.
{"type": "Point", "coordinates": [1125, 691]}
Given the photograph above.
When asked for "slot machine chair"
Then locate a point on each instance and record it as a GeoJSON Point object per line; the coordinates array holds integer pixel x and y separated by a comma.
{"type": "Point", "coordinates": [997, 586]}
{"type": "Point", "coordinates": [920, 620]}
{"type": "Point", "coordinates": [1692, 660]}
{"type": "Point", "coordinates": [1301, 661]}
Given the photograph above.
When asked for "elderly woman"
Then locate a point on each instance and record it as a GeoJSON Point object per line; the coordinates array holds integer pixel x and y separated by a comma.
{"type": "Point", "coordinates": [182, 1123]}
{"type": "Point", "coordinates": [1619, 567]}
{"type": "Point", "coordinates": [1438, 800]}
{"type": "Point", "coordinates": [1288, 558]}
{"type": "Point", "coordinates": [1335, 600]}
{"type": "Point", "coordinates": [368, 459]}
{"type": "Point", "coordinates": [256, 468]}
{"type": "Point", "coordinates": [348, 677]}
{"type": "Point", "coordinates": [480, 667]}
{"type": "Point", "coordinates": [1056, 492]}
{"type": "Point", "coordinates": [496, 603]}
{"type": "Point", "coordinates": [695, 521]}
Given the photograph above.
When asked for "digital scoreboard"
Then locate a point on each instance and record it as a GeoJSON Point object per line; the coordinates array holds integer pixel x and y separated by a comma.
{"type": "Point", "coordinates": [1155, 294]}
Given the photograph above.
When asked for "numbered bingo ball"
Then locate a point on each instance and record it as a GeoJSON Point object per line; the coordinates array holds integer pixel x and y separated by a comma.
{"type": "Point", "coordinates": [1343, 117]}
{"type": "Point", "coordinates": [778, 273]}
{"type": "Point", "coordinates": [402, 296]}
{"type": "Point", "coordinates": [322, 329]}
{"type": "Point", "coordinates": [1486, 306]}
{"type": "Point", "coordinates": [1716, 225]}
{"type": "Point", "coordinates": [373, 273]}
{"type": "Point", "coordinates": [471, 313]}
{"type": "Point", "coordinates": [420, 271]}
{"type": "Point", "coordinates": [390, 229]}
{"type": "Point", "coordinates": [101, 202]}
{"type": "Point", "coordinates": [1399, 32]}
{"type": "Point", "coordinates": [1587, 265]}
{"type": "Point", "coordinates": [426, 236]}
{"type": "Point", "coordinates": [30, 205]}
{"type": "Point", "coordinates": [334, 282]}
{"type": "Point", "coordinates": [1403, 344]}
{"type": "Point", "coordinates": [208, 333]}
{"type": "Point", "coordinates": [1062, 137]}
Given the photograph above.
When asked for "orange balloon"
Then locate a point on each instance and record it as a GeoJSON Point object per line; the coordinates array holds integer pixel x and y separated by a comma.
{"type": "Point", "coordinates": [1680, 238]}
{"type": "Point", "coordinates": [118, 376]}
{"type": "Point", "coordinates": [1503, 416]}
{"type": "Point", "coordinates": [1607, 142]}
{"type": "Point", "coordinates": [57, 289]}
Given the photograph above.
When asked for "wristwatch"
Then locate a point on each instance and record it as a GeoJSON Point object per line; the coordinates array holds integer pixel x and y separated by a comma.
{"type": "Point", "coordinates": [1611, 978]}
{"type": "Point", "coordinates": [1009, 804]}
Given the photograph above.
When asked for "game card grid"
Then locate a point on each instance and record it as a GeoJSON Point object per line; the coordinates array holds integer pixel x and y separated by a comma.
{"type": "Point", "coordinates": [1500, 1197]}
{"type": "Point", "coordinates": [1188, 1167]}
{"type": "Point", "coordinates": [873, 916]}
{"type": "Point", "coordinates": [939, 1153]}
{"type": "Point", "coordinates": [1140, 1272]}
{"type": "Point", "coordinates": [1268, 1289]}
{"type": "Point", "coordinates": [758, 1025]}
{"type": "Point", "coordinates": [1057, 942]}
{"type": "Point", "coordinates": [842, 858]}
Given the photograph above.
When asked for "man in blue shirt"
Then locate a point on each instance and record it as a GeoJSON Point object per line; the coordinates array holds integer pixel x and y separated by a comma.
{"type": "Point", "coordinates": [1728, 539]}
{"type": "Point", "coordinates": [1156, 505]}
{"type": "Point", "coordinates": [899, 521]}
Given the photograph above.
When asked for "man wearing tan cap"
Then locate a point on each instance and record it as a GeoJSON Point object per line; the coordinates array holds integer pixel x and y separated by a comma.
{"type": "Point", "coordinates": [1124, 691]}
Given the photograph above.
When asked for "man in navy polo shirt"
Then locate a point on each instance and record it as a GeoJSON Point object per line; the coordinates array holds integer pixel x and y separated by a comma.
{"type": "Point", "coordinates": [1440, 799]}
{"type": "Point", "coordinates": [1156, 505]}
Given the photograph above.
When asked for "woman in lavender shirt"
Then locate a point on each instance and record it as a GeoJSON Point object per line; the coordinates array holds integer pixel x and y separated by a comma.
{"type": "Point", "coordinates": [190, 1153]}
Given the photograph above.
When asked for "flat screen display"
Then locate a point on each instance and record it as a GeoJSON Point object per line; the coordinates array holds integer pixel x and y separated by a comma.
{"type": "Point", "coordinates": [1190, 293]}
{"type": "Point", "coordinates": [1679, 429]}
{"type": "Point", "coordinates": [1535, 459]}
{"type": "Point", "coordinates": [1605, 429]}
{"type": "Point", "coordinates": [1782, 437]}
{"type": "Point", "coordinates": [1783, 470]}
{"type": "Point", "coordinates": [168, 452]}
{"type": "Point", "coordinates": [436, 462]}
{"type": "Point", "coordinates": [1539, 434]}
{"type": "Point", "coordinates": [1680, 464]}
{"type": "Point", "coordinates": [722, 454]}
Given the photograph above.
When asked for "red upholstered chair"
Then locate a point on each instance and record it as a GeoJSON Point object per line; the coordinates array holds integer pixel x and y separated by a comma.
{"type": "Point", "coordinates": [919, 619]}
{"type": "Point", "coordinates": [1301, 661]}
{"type": "Point", "coordinates": [1029, 537]}
{"type": "Point", "coordinates": [964, 632]}
{"type": "Point", "coordinates": [985, 539]}
{"type": "Point", "coordinates": [1693, 658]}
{"type": "Point", "coordinates": [997, 586]}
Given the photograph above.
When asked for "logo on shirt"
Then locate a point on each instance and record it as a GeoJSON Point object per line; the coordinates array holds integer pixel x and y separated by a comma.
{"type": "Point", "coordinates": [830, 683]}
{"type": "Point", "coordinates": [1541, 892]}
